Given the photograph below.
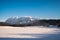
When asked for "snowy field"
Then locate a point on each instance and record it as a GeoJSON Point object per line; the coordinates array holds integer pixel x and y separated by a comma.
{"type": "Point", "coordinates": [29, 33]}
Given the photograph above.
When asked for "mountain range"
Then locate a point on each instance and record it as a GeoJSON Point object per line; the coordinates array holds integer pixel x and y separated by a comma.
{"type": "Point", "coordinates": [21, 20]}
{"type": "Point", "coordinates": [29, 21]}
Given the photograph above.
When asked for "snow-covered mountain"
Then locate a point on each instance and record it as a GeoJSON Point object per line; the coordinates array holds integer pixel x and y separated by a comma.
{"type": "Point", "coordinates": [21, 20]}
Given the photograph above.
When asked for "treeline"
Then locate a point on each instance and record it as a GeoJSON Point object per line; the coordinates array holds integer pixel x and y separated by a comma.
{"type": "Point", "coordinates": [42, 22]}
{"type": "Point", "coordinates": [4, 24]}
{"type": "Point", "coordinates": [51, 22]}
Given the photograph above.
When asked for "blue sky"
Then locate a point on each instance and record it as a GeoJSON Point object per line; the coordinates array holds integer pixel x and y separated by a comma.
{"type": "Point", "coordinates": [35, 8]}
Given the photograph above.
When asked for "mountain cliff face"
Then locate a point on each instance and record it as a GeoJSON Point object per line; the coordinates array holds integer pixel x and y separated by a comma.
{"type": "Point", "coordinates": [21, 20]}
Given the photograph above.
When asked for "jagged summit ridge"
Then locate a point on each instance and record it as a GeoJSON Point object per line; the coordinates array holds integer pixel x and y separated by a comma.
{"type": "Point", "coordinates": [20, 20]}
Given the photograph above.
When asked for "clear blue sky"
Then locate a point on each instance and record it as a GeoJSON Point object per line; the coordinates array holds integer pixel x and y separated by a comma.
{"type": "Point", "coordinates": [34, 8]}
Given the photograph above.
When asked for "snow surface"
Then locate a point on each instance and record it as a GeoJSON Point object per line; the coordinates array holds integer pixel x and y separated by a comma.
{"type": "Point", "coordinates": [29, 33]}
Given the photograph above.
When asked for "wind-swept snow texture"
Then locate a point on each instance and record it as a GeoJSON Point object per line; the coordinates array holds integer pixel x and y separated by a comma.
{"type": "Point", "coordinates": [29, 33]}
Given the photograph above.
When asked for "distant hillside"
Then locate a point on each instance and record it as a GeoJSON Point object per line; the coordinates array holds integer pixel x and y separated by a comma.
{"type": "Point", "coordinates": [36, 23]}
{"type": "Point", "coordinates": [29, 21]}
{"type": "Point", "coordinates": [4, 24]}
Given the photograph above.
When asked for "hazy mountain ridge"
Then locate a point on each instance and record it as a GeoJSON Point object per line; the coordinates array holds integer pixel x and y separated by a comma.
{"type": "Point", "coordinates": [20, 20]}
{"type": "Point", "coordinates": [29, 21]}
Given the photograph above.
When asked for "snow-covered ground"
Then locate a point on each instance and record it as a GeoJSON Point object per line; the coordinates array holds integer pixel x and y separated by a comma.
{"type": "Point", "coordinates": [29, 33]}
